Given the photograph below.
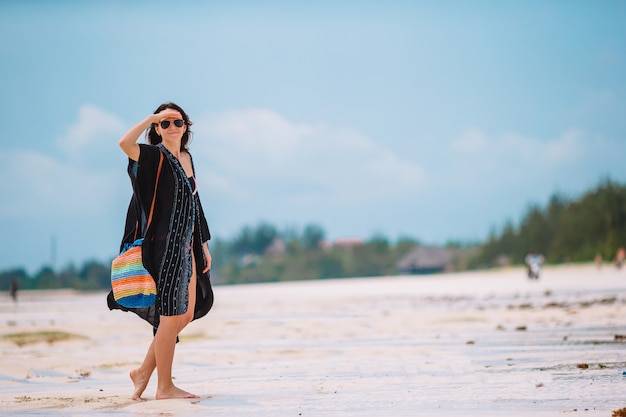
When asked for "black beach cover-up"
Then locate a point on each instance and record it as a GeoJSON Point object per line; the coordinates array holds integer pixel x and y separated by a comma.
{"type": "Point", "coordinates": [178, 227]}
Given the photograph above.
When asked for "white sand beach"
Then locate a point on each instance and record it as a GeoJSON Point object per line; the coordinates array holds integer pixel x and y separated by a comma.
{"type": "Point", "coordinates": [480, 343]}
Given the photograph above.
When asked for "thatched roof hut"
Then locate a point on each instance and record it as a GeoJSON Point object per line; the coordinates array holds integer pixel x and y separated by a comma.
{"type": "Point", "coordinates": [427, 260]}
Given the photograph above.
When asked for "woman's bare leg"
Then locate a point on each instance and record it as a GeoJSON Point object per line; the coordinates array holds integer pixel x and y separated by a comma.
{"type": "Point", "coordinates": [141, 376]}
{"type": "Point", "coordinates": [165, 344]}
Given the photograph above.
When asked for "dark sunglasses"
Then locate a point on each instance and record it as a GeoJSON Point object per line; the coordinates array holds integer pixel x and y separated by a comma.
{"type": "Point", "coordinates": [166, 123]}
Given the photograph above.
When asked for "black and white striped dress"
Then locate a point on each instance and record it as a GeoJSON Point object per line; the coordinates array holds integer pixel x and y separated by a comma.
{"type": "Point", "coordinates": [176, 263]}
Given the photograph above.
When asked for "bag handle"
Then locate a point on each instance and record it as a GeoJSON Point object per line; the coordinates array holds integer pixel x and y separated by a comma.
{"type": "Point", "coordinates": [156, 185]}
{"type": "Point", "coordinates": [153, 199]}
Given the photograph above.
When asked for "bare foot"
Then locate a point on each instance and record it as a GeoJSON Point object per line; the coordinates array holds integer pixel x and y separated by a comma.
{"type": "Point", "coordinates": [140, 382]}
{"type": "Point", "coordinates": [174, 392]}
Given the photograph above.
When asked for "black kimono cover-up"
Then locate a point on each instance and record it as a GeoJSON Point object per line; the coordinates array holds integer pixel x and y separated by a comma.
{"type": "Point", "coordinates": [178, 227]}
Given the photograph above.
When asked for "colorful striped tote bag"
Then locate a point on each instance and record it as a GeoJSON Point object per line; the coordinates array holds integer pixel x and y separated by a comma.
{"type": "Point", "coordinates": [132, 285]}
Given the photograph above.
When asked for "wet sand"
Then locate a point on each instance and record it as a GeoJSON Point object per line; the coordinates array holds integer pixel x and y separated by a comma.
{"type": "Point", "coordinates": [465, 344]}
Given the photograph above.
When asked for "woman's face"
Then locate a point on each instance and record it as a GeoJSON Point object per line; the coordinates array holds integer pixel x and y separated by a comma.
{"type": "Point", "coordinates": [172, 127]}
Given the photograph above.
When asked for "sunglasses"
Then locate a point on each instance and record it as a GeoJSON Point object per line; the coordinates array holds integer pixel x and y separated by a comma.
{"type": "Point", "coordinates": [166, 123]}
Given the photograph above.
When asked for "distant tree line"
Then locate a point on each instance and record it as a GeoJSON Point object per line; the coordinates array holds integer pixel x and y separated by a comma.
{"type": "Point", "coordinates": [252, 256]}
{"type": "Point", "coordinates": [256, 254]}
{"type": "Point", "coordinates": [92, 275]}
{"type": "Point", "coordinates": [566, 230]}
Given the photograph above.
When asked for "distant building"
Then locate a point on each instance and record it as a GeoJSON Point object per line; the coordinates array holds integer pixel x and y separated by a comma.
{"type": "Point", "coordinates": [326, 245]}
{"type": "Point", "coordinates": [427, 260]}
{"type": "Point", "coordinates": [503, 260]}
{"type": "Point", "coordinates": [276, 249]}
{"type": "Point", "coordinates": [348, 242]}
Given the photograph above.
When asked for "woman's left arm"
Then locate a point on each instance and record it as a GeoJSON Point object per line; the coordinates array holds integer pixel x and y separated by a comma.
{"type": "Point", "coordinates": [205, 233]}
{"type": "Point", "coordinates": [207, 256]}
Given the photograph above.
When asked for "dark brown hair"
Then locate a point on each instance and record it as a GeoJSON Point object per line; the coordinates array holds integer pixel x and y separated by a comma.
{"type": "Point", "coordinates": [154, 138]}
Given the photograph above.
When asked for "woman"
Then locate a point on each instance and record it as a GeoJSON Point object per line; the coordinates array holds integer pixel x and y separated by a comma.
{"type": "Point", "coordinates": [175, 249]}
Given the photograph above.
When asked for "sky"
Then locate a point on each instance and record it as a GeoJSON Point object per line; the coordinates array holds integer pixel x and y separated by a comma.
{"type": "Point", "coordinates": [438, 121]}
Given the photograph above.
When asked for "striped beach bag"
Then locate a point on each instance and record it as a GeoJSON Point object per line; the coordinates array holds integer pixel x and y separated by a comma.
{"type": "Point", "coordinates": [132, 284]}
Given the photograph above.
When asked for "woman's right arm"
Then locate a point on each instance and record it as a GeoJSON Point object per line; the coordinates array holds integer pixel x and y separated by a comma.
{"type": "Point", "coordinates": [128, 142]}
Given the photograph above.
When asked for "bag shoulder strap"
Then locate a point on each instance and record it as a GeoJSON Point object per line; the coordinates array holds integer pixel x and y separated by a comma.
{"type": "Point", "coordinates": [156, 185]}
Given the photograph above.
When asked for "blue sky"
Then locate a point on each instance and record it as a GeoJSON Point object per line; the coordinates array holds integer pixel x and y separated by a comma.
{"type": "Point", "coordinates": [435, 120]}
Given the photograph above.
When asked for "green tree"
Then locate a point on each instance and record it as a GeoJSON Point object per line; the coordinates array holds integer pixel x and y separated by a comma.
{"type": "Point", "coordinates": [18, 275]}
{"type": "Point", "coordinates": [93, 276]}
{"type": "Point", "coordinates": [255, 241]}
{"type": "Point", "coordinates": [312, 236]}
{"type": "Point", "coordinates": [566, 230]}
{"type": "Point", "coordinates": [46, 279]}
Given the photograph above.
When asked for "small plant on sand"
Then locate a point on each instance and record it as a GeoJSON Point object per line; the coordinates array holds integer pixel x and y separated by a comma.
{"type": "Point", "coordinates": [619, 413]}
{"type": "Point", "coordinates": [28, 338]}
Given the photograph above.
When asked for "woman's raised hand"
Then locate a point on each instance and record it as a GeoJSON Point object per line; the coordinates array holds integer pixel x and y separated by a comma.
{"type": "Point", "coordinates": [166, 114]}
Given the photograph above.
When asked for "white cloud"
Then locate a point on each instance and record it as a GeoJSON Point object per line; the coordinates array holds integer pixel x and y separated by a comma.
{"type": "Point", "coordinates": [570, 148]}
{"type": "Point", "coordinates": [83, 180]}
{"type": "Point", "coordinates": [523, 150]}
{"type": "Point", "coordinates": [511, 151]}
{"type": "Point", "coordinates": [258, 153]}
{"type": "Point", "coordinates": [258, 131]}
{"type": "Point", "coordinates": [473, 141]}
{"type": "Point", "coordinates": [96, 130]}
{"type": "Point", "coordinates": [43, 186]}
{"type": "Point", "coordinates": [485, 164]}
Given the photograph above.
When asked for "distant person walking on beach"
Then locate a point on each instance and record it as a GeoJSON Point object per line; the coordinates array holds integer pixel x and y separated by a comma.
{"type": "Point", "coordinates": [533, 262]}
{"type": "Point", "coordinates": [175, 248]}
{"type": "Point", "coordinates": [598, 260]}
{"type": "Point", "coordinates": [13, 290]}
{"type": "Point", "coordinates": [620, 257]}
